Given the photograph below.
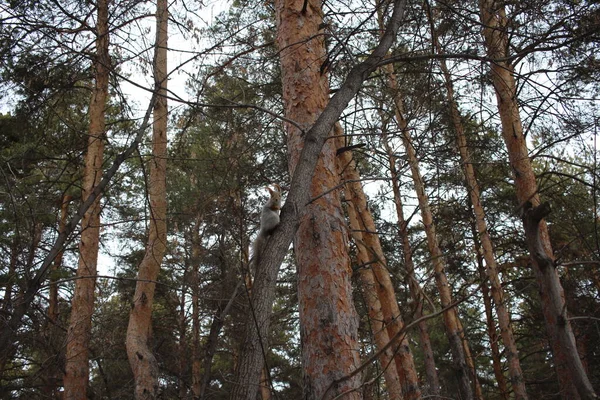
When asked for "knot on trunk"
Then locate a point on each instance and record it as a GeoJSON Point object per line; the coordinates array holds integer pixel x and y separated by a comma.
{"type": "Point", "coordinates": [532, 216]}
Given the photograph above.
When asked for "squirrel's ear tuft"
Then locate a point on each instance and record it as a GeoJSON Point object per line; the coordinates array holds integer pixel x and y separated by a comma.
{"type": "Point", "coordinates": [277, 189]}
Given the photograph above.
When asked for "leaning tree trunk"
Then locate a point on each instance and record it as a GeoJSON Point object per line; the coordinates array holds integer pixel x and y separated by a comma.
{"type": "Point", "coordinates": [142, 361]}
{"type": "Point", "coordinates": [512, 353]}
{"type": "Point", "coordinates": [50, 373]}
{"type": "Point", "coordinates": [451, 322]}
{"type": "Point", "coordinates": [196, 348]}
{"type": "Point", "coordinates": [299, 197]}
{"type": "Point", "coordinates": [369, 288]}
{"type": "Point", "coordinates": [490, 322]}
{"type": "Point", "coordinates": [375, 274]}
{"type": "Point", "coordinates": [80, 325]}
{"type": "Point", "coordinates": [573, 380]}
{"type": "Point", "coordinates": [416, 292]}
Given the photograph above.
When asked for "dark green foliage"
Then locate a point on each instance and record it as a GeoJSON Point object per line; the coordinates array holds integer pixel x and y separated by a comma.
{"type": "Point", "coordinates": [227, 143]}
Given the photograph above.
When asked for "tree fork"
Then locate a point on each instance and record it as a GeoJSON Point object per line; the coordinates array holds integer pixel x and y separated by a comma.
{"type": "Point", "coordinates": [299, 194]}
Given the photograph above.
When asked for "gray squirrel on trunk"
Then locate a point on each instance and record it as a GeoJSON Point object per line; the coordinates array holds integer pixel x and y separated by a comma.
{"type": "Point", "coordinates": [269, 219]}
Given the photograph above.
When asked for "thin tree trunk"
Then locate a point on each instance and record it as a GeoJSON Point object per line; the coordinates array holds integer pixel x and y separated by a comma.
{"type": "Point", "coordinates": [78, 335]}
{"type": "Point", "coordinates": [53, 289]}
{"type": "Point", "coordinates": [51, 371]}
{"type": "Point", "coordinates": [491, 325]}
{"type": "Point", "coordinates": [142, 360]}
{"type": "Point", "coordinates": [197, 386]}
{"type": "Point", "coordinates": [573, 380]}
{"type": "Point", "coordinates": [183, 344]}
{"type": "Point", "coordinates": [12, 274]}
{"type": "Point", "coordinates": [371, 255]}
{"type": "Point", "coordinates": [416, 291]}
{"type": "Point", "coordinates": [512, 353]}
{"type": "Point", "coordinates": [453, 328]}
{"type": "Point", "coordinates": [376, 318]}
{"type": "Point", "coordinates": [299, 197]}
{"type": "Point", "coordinates": [492, 334]}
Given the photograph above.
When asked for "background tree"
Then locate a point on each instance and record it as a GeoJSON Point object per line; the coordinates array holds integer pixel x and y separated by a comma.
{"type": "Point", "coordinates": [229, 141]}
{"type": "Point", "coordinates": [142, 360]}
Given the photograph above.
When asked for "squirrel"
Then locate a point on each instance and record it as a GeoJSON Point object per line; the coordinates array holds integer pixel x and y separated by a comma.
{"type": "Point", "coordinates": [269, 219]}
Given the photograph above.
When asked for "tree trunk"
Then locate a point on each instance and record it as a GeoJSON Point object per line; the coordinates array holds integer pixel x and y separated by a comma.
{"type": "Point", "coordinates": [197, 386]}
{"type": "Point", "coordinates": [376, 318]}
{"type": "Point", "coordinates": [328, 320]}
{"type": "Point", "coordinates": [512, 353]}
{"type": "Point", "coordinates": [491, 325]}
{"type": "Point", "coordinates": [142, 361]}
{"type": "Point", "coordinates": [51, 371]}
{"type": "Point", "coordinates": [80, 325]}
{"type": "Point", "coordinates": [416, 292]}
{"type": "Point", "coordinates": [265, 387]}
{"type": "Point", "coordinates": [573, 380]}
{"type": "Point", "coordinates": [372, 257]}
{"type": "Point", "coordinates": [451, 322]}
{"type": "Point", "coordinates": [492, 334]}
{"type": "Point", "coordinates": [299, 197]}
{"type": "Point", "coordinates": [183, 344]}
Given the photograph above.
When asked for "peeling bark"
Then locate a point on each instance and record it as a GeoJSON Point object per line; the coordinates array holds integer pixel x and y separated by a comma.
{"type": "Point", "coordinates": [328, 320]}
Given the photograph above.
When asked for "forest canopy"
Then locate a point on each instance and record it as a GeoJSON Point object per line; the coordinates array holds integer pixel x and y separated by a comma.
{"type": "Point", "coordinates": [438, 231]}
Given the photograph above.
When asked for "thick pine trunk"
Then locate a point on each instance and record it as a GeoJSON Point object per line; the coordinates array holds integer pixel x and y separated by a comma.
{"type": "Point", "coordinates": [573, 380]}
{"type": "Point", "coordinates": [299, 196]}
{"type": "Point", "coordinates": [80, 325]}
{"type": "Point", "coordinates": [375, 275]}
{"type": "Point", "coordinates": [142, 361]}
{"type": "Point", "coordinates": [328, 320]}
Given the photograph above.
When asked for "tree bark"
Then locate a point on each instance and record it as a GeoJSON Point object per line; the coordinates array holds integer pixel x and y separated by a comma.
{"type": "Point", "coordinates": [416, 292]}
{"type": "Point", "coordinates": [295, 206]}
{"type": "Point", "coordinates": [80, 325]}
{"type": "Point", "coordinates": [573, 380]}
{"type": "Point", "coordinates": [451, 322]}
{"type": "Point", "coordinates": [328, 320]}
{"type": "Point", "coordinates": [372, 257]}
{"type": "Point", "coordinates": [512, 353]}
{"type": "Point", "coordinates": [142, 360]}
